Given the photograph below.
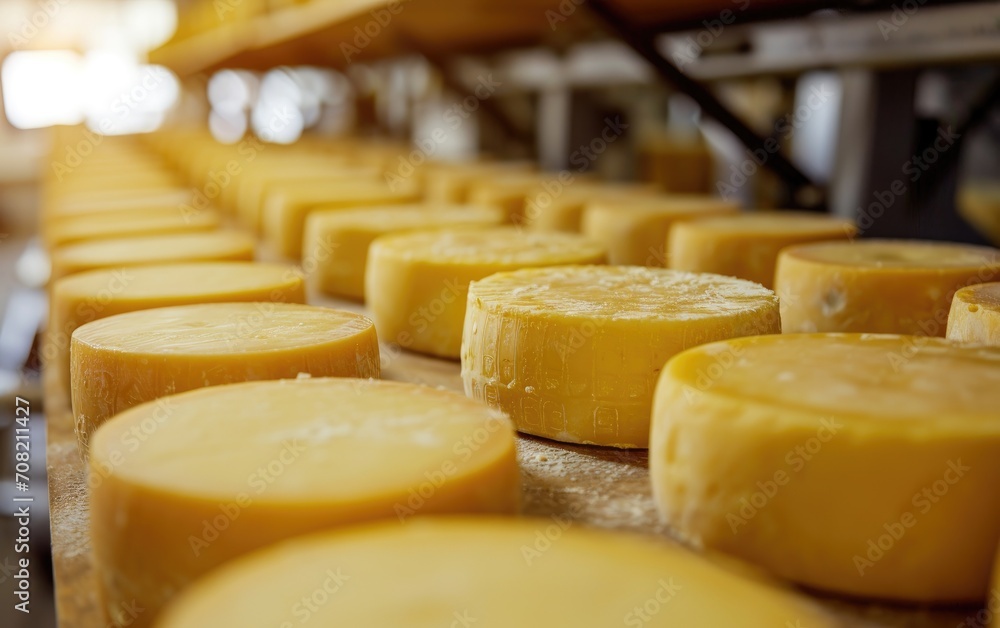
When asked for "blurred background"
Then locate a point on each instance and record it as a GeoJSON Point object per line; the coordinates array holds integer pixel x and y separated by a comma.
{"type": "Point", "coordinates": [884, 111]}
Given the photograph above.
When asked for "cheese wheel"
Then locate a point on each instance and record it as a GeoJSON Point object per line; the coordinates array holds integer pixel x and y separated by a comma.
{"type": "Point", "coordinates": [109, 201]}
{"type": "Point", "coordinates": [879, 286]}
{"type": "Point", "coordinates": [127, 359]}
{"type": "Point", "coordinates": [507, 191]}
{"type": "Point", "coordinates": [557, 205]}
{"type": "Point", "coordinates": [335, 250]}
{"type": "Point", "coordinates": [183, 484]}
{"type": "Point", "coordinates": [491, 572]}
{"type": "Point", "coordinates": [451, 182]}
{"type": "Point", "coordinates": [127, 224]}
{"type": "Point", "coordinates": [975, 315]}
{"type": "Point", "coordinates": [572, 353]}
{"type": "Point", "coordinates": [147, 250]}
{"type": "Point", "coordinates": [635, 231]}
{"type": "Point", "coordinates": [861, 464]}
{"type": "Point", "coordinates": [287, 207]}
{"type": "Point", "coordinates": [747, 246]}
{"type": "Point", "coordinates": [417, 283]}
{"type": "Point", "coordinates": [89, 296]}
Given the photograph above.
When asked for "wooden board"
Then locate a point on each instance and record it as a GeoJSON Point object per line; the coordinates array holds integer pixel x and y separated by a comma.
{"type": "Point", "coordinates": [575, 485]}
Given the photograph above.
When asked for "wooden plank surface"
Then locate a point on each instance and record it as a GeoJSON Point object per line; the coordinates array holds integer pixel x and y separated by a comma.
{"type": "Point", "coordinates": [574, 485]}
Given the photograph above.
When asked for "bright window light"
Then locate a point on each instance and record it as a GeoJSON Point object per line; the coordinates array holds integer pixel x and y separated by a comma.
{"type": "Point", "coordinates": [42, 88]}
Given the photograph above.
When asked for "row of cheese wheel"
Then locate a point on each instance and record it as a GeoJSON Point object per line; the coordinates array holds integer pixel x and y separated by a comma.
{"type": "Point", "coordinates": [591, 327]}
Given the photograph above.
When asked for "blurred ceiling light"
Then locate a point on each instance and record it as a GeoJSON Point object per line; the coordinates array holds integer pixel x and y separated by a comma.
{"type": "Point", "coordinates": [232, 91]}
{"type": "Point", "coordinates": [42, 88]}
{"type": "Point", "coordinates": [123, 96]}
{"type": "Point", "coordinates": [149, 23]}
{"type": "Point", "coordinates": [227, 128]}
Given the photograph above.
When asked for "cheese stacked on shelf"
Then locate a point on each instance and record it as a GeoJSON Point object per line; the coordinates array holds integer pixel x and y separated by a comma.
{"type": "Point", "coordinates": [335, 248]}
{"type": "Point", "coordinates": [127, 359]}
{"type": "Point", "coordinates": [186, 483]}
{"type": "Point", "coordinates": [93, 295]}
{"type": "Point", "coordinates": [459, 571]}
{"type": "Point", "coordinates": [975, 315]}
{"type": "Point", "coordinates": [133, 223]}
{"type": "Point", "coordinates": [572, 353]}
{"type": "Point", "coordinates": [635, 229]}
{"type": "Point", "coordinates": [879, 286]}
{"type": "Point", "coordinates": [416, 283]}
{"type": "Point", "coordinates": [288, 205]}
{"type": "Point", "coordinates": [508, 191]}
{"type": "Point", "coordinates": [557, 204]}
{"type": "Point", "coordinates": [149, 250]}
{"type": "Point", "coordinates": [864, 465]}
{"type": "Point", "coordinates": [445, 182]}
{"type": "Point", "coordinates": [747, 245]}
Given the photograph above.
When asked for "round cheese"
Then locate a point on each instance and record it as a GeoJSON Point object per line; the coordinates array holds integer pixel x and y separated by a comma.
{"type": "Point", "coordinates": [186, 483]}
{"type": "Point", "coordinates": [127, 359]}
{"type": "Point", "coordinates": [573, 353]}
{"type": "Point", "coordinates": [557, 204]}
{"type": "Point", "coordinates": [879, 286]}
{"type": "Point", "coordinates": [865, 465]}
{"type": "Point", "coordinates": [92, 295]}
{"type": "Point", "coordinates": [335, 248]}
{"type": "Point", "coordinates": [975, 315]}
{"type": "Point", "coordinates": [491, 572]}
{"type": "Point", "coordinates": [417, 282]}
{"type": "Point", "coordinates": [146, 250]}
{"type": "Point", "coordinates": [141, 222]}
{"type": "Point", "coordinates": [635, 230]}
{"type": "Point", "coordinates": [747, 245]}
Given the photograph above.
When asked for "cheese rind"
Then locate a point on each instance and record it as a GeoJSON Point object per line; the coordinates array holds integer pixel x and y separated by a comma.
{"type": "Point", "coordinates": [140, 222]}
{"type": "Point", "coordinates": [186, 483]}
{"type": "Point", "coordinates": [124, 360]}
{"type": "Point", "coordinates": [747, 245]}
{"type": "Point", "coordinates": [856, 463]}
{"type": "Point", "coordinates": [558, 204]}
{"type": "Point", "coordinates": [417, 283]}
{"type": "Point", "coordinates": [572, 353]}
{"type": "Point", "coordinates": [335, 248]}
{"type": "Point", "coordinates": [501, 572]}
{"type": "Point", "coordinates": [975, 315]}
{"type": "Point", "coordinates": [93, 295]}
{"type": "Point", "coordinates": [877, 286]}
{"type": "Point", "coordinates": [635, 230]}
{"type": "Point", "coordinates": [148, 250]}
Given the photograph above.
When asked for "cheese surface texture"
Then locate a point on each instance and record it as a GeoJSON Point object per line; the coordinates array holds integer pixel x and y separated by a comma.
{"type": "Point", "coordinates": [635, 230]}
{"type": "Point", "coordinates": [878, 286]}
{"type": "Point", "coordinates": [286, 209]}
{"type": "Point", "coordinates": [861, 464]}
{"type": "Point", "coordinates": [573, 353]}
{"type": "Point", "coordinates": [124, 360]}
{"type": "Point", "coordinates": [335, 250]}
{"type": "Point", "coordinates": [92, 295]}
{"type": "Point", "coordinates": [747, 245]}
{"type": "Point", "coordinates": [185, 483]}
{"type": "Point", "coordinates": [486, 571]}
{"type": "Point", "coordinates": [417, 283]}
{"type": "Point", "coordinates": [146, 250]}
{"type": "Point", "coordinates": [975, 315]}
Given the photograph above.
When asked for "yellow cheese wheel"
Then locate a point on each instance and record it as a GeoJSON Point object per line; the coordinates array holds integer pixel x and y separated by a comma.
{"type": "Point", "coordinates": [89, 296]}
{"type": "Point", "coordinates": [557, 205]}
{"type": "Point", "coordinates": [975, 315]}
{"type": "Point", "coordinates": [146, 250]}
{"type": "Point", "coordinates": [335, 248]}
{"type": "Point", "coordinates": [417, 283]}
{"type": "Point", "coordinates": [507, 191]}
{"type": "Point", "coordinates": [128, 224]}
{"type": "Point", "coordinates": [287, 207]}
{"type": "Point", "coordinates": [124, 360]}
{"type": "Point", "coordinates": [635, 230]}
{"type": "Point", "coordinates": [451, 182]}
{"type": "Point", "coordinates": [114, 200]}
{"type": "Point", "coordinates": [747, 245]}
{"type": "Point", "coordinates": [879, 286]}
{"type": "Point", "coordinates": [860, 464]}
{"type": "Point", "coordinates": [490, 572]}
{"type": "Point", "coordinates": [572, 353]}
{"type": "Point", "coordinates": [183, 484]}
